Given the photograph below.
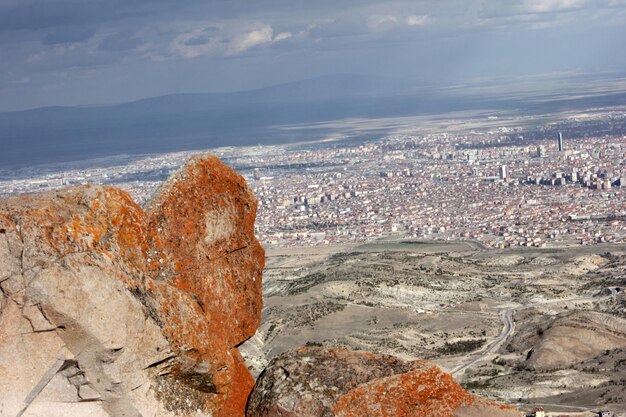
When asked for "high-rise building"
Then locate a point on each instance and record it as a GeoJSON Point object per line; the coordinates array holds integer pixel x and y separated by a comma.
{"type": "Point", "coordinates": [559, 143]}
{"type": "Point", "coordinates": [503, 172]}
{"type": "Point", "coordinates": [541, 151]}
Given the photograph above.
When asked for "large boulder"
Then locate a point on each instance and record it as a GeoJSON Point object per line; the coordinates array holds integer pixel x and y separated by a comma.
{"type": "Point", "coordinates": [110, 310]}
{"type": "Point", "coordinates": [316, 382]}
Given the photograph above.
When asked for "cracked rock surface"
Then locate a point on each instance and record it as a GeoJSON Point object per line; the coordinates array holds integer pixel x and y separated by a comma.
{"type": "Point", "coordinates": [107, 309]}
{"type": "Point", "coordinates": [317, 382]}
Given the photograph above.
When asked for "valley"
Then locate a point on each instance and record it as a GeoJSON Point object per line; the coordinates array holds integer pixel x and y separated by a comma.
{"type": "Point", "coordinates": [526, 327]}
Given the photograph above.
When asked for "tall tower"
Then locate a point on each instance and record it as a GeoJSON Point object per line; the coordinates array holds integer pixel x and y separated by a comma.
{"type": "Point", "coordinates": [503, 173]}
{"type": "Point", "coordinates": [560, 142]}
{"type": "Point", "coordinates": [541, 151]}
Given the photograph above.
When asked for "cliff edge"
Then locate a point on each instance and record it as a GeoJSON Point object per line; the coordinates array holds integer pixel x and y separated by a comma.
{"type": "Point", "coordinates": [107, 309]}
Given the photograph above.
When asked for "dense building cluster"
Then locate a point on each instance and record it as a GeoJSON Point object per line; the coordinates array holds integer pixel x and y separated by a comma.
{"type": "Point", "coordinates": [425, 187]}
{"type": "Point", "coordinates": [504, 186]}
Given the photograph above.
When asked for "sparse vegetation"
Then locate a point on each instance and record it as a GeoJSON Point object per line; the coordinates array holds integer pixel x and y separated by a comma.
{"type": "Point", "coordinates": [461, 346]}
{"type": "Point", "coordinates": [476, 384]}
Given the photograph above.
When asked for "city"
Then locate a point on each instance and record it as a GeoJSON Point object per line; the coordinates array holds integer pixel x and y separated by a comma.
{"type": "Point", "coordinates": [501, 184]}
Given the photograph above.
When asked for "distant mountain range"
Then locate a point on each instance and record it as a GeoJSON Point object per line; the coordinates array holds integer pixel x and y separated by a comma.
{"type": "Point", "coordinates": [200, 121]}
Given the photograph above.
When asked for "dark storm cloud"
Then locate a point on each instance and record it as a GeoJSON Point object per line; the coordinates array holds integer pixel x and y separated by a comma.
{"type": "Point", "coordinates": [160, 46]}
{"type": "Point", "coordinates": [42, 14]}
{"type": "Point", "coordinates": [46, 14]}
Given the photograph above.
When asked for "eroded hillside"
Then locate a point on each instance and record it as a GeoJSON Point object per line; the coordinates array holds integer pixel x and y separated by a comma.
{"type": "Point", "coordinates": [524, 327]}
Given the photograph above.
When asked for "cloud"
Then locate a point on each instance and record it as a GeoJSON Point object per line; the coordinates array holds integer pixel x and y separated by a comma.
{"type": "Point", "coordinates": [417, 20]}
{"type": "Point", "coordinates": [225, 40]}
{"type": "Point", "coordinates": [64, 58]}
{"type": "Point", "coordinates": [119, 42]}
{"type": "Point", "coordinates": [250, 39]}
{"type": "Point", "coordinates": [23, 80]}
{"type": "Point", "coordinates": [549, 6]}
{"type": "Point", "coordinates": [68, 35]}
{"type": "Point", "coordinates": [45, 14]}
{"type": "Point", "coordinates": [377, 21]}
{"type": "Point", "coordinates": [282, 36]}
{"type": "Point", "coordinates": [388, 22]}
{"type": "Point", "coordinates": [511, 8]}
{"type": "Point", "coordinates": [203, 37]}
{"type": "Point", "coordinates": [188, 44]}
{"type": "Point", "coordinates": [343, 26]}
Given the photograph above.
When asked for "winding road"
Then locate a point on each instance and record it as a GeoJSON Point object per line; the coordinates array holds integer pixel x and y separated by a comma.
{"type": "Point", "coordinates": [508, 326]}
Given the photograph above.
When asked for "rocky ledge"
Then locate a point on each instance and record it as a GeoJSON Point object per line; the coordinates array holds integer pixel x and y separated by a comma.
{"type": "Point", "coordinates": [107, 309]}
{"type": "Point", "coordinates": [316, 382]}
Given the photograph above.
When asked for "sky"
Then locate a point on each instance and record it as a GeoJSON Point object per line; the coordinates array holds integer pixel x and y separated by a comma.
{"type": "Point", "coordinates": [78, 52]}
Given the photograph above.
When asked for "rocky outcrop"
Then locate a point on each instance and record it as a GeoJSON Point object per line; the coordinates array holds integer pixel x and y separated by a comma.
{"type": "Point", "coordinates": [315, 382]}
{"type": "Point", "coordinates": [107, 309]}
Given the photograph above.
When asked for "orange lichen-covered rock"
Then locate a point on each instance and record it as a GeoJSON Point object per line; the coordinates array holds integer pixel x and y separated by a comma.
{"type": "Point", "coordinates": [109, 309]}
{"type": "Point", "coordinates": [202, 239]}
{"type": "Point", "coordinates": [420, 393]}
{"type": "Point", "coordinates": [315, 382]}
{"type": "Point", "coordinates": [201, 246]}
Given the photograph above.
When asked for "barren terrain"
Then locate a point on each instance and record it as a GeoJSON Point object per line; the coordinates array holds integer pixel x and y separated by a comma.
{"type": "Point", "coordinates": [526, 327]}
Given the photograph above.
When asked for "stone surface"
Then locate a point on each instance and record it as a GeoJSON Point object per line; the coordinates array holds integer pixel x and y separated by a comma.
{"type": "Point", "coordinates": [110, 309]}
{"type": "Point", "coordinates": [316, 382]}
